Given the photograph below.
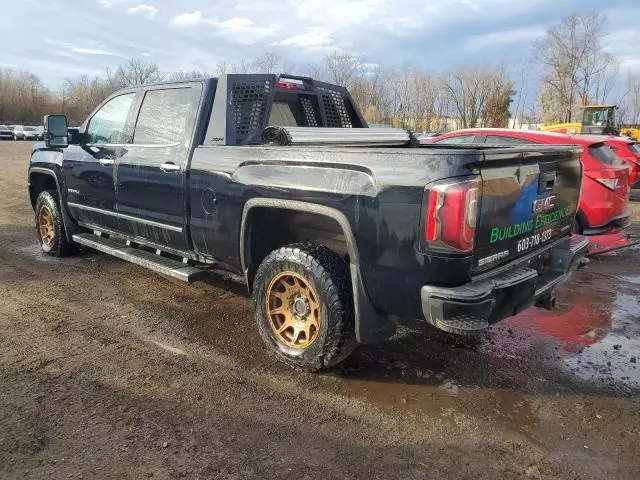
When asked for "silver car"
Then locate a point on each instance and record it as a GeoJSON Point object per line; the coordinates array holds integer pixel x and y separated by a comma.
{"type": "Point", "coordinates": [25, 133]}
{"type": "Point", "coordinates": [5, 133]}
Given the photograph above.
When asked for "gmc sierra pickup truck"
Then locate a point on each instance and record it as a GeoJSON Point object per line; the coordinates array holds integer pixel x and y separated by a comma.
{"type": "Point", "coordinates": [338, 230]}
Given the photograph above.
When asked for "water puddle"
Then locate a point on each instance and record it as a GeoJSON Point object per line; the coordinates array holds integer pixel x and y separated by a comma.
{"type": "Point", "coordinates": [635, 279]}
{"type": "Point", "coordinates": [597, 334]}
{"type": "Point", "coordinates": [615, 357]}
{"type": "Point", "coordinates": [593, 336]}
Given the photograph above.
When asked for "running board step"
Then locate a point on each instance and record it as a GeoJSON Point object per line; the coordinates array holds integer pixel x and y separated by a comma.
{"type": "Point", "coordinates": [162, 265]}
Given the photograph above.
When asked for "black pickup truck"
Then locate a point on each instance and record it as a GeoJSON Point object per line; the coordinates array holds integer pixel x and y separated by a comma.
{"type": "Point", "coordinates": [338, 230]}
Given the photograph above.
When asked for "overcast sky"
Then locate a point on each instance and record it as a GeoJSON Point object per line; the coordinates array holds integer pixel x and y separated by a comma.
{"type": "Point", "coordinates": [62, 38]}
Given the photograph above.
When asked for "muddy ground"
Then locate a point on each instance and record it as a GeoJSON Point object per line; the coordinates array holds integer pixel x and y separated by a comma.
{"type": "Point", "coordinates": [109, 371]}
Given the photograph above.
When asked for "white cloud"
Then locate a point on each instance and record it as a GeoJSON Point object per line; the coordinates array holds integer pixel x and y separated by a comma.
{"type": "Point", "coordinates": [471, 4]}
{"type": "Point", "coordinates": [110, 3]}
{"type": "Point", "coordinates": [316, 37]}
{"type": "Point", "coordinates": [148, 11]}
{"type": "Point", "coordinates": [505, 37]}
{"type": "Point", "coordinates": [236, 22]}
{"type": "Point", "coordinates": [188, 19]}
{"type": "Point", "coordinates": [90, 51]}
{"type": "Point", "coordinates": [242, 31]}
{"type": "Point", "coordinates": [238, 30]}
{"type": "Point", "coordinates": [341, 12]}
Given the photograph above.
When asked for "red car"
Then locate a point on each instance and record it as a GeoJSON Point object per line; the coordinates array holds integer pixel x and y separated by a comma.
{"type": "Point", "coordinates": [629, 152]}
{"type": "Point", "coordinates": [605, 182]}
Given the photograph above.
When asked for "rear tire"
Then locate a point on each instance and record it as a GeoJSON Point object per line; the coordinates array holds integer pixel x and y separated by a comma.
{"type": "Point", "coordinates": [304, 306]}
{"type": "Point", "coordinates": [50, 226]}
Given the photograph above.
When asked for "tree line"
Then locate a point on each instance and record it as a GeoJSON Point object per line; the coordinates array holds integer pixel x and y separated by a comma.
{"type": "Point", "coordinates": [574, 69]}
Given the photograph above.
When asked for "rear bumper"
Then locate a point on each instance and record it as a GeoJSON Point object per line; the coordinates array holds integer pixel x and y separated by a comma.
{"type": "Point", "coordinates": [621, 221]}
{"type": "Point", "coordinates": [472, 307]}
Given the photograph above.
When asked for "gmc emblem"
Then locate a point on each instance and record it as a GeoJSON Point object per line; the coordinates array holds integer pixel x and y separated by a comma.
{"type": "Point", "coordinates": [544, 204]}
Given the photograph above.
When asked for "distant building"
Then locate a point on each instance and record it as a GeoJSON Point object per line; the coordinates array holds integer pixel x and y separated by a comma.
{"type": "Point", "coordinates": [518, 124]}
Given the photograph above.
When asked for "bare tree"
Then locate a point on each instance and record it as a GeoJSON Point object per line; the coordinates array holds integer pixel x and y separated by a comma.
{"type": "Point", "coordinates": [574, 63]}
{"type": "Point", "coordinates": [23, 98]}
{"type": "Point", "coordinates": [368, 93]}
{"type": "Point", "coordinates": [182, 76]}
{"type": "Point", "coordinates": [317, 71]}
{"type": "Point", "coordinates": [134, 72]}
{"type": "Point", "coordinates": [243, 66]}
{"type": "Point", "coordinates": [222, 67]}
{"type": "Point", "coordinates": [341, 68]}
{"type": "Point", "coordinates": [82, 94]}
{"type": "Point", "coordinates": [268, 62]}
{"type": "Point", "coordinates": [478, 91]}
{"type": "Point", "coordinates": [633, 98]}
{"type": "Point", "coordinates": [287, 66]}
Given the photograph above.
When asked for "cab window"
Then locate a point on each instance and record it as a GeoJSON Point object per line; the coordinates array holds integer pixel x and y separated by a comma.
{"type": "Point", "coordinates": [108, 124]}
{"type": "Point", "coordinates": [166, 116]}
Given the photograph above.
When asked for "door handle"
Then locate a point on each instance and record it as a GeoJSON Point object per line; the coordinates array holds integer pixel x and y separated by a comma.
{"type": "Point", "coordinates": [106, 161]}
{"type": "Point", "coordinates": [169, 167]}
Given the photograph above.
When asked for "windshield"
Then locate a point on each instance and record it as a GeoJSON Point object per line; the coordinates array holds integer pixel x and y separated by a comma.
{"type": "Point", "coordinates": [30, 129]}
{"type": "Point", "coordinates": [600, 117]}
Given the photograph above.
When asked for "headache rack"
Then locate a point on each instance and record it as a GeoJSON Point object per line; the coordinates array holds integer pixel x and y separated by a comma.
{"type": "Point", "coordinates": [246, 104]}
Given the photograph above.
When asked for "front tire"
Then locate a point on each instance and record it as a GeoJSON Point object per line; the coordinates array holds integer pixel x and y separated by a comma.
{"type": "Point", "coordinates": [50, 227]}
{"type": "Point", "coordinates": [304, 306]}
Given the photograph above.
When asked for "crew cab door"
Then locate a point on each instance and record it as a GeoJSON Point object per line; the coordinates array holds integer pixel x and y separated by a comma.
{"type": "Point", "coordinates": [151, 178]}
{"type": "Point", "coordinates": [89, 168]}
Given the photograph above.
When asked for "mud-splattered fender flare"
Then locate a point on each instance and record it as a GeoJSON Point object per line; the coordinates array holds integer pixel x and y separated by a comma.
{"type": "Point", "coordinates": [371, 326]}
{"type": "Point", "coordinates": [70, 227]}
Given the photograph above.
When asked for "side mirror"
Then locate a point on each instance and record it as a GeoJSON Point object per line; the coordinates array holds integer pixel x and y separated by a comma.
{"type": "Point", "coordinates": [56, 132]}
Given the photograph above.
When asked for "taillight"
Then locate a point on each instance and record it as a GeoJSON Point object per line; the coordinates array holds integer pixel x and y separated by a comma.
{"type": "Point", "coordinates": [452, 214]}
{"type": "Point", "coordinates": [610, 183]}
{"type": "Point", "coordinates": [288, 85]}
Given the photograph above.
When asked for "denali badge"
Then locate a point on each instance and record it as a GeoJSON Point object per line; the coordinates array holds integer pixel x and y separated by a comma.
{"type": "Point", "coordinates": [544, 204]}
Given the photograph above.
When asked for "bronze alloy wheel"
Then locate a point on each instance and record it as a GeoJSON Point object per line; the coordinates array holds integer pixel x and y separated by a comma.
{"type": "Point", "coordinates": [293, 310]}
{"type": "Point", "coordinates": [46, 227]}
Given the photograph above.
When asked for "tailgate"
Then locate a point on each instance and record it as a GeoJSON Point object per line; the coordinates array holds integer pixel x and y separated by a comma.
{"type": "Point", "coordinates": [529, 198]}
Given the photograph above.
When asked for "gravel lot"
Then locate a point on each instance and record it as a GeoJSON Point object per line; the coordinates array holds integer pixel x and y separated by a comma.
{"type": "Point", "coordinates": [109, 371]}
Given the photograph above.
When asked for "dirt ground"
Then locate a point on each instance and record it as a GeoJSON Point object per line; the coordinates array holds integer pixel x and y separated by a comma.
{"type": "Point", "coordinates": [109, 371]}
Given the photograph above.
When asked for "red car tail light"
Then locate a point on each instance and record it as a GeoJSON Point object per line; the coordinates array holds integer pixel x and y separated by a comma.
{"type": "Point", "coordinates": [610, 183]}
{"type": "Point", "coordinates": [452, 215]}
{"type": "Point", "coordinates": [615, 179]}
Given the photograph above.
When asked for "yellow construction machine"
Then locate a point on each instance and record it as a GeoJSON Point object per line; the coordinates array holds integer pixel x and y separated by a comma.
{"type": "Point", "coordinates": [596, 120]}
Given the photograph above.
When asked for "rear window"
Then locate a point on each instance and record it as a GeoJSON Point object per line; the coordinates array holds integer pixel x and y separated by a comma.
{"type": "Point", "coordinates": [500, 140]}
{"type": "Point", "coordinates": [459, 140]}
{"type": "Point", "coordinates": [604, 154]}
